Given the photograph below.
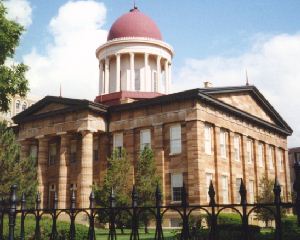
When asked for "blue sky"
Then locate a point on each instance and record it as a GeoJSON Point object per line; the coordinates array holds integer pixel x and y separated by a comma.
{"type": "Point", "coordinates": [213, 40]}
{"type": "Point", "coordinates": [194, 28]}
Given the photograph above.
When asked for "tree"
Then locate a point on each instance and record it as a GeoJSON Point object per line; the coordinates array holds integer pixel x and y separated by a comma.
{"type": "Point", "coordinates": [266, 195]}
{"type": "Point", "coordinates": [118, 179]}
{"type": "Point", "coordinates": [146, 182]}
{"type": "Point", "coordinates": [14, 170]}
{"type": "Point", "coordinates": [12, 79]}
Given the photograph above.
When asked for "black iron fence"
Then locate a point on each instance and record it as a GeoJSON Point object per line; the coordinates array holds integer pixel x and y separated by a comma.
{"type": "Point", "coordinates": [14, 208]}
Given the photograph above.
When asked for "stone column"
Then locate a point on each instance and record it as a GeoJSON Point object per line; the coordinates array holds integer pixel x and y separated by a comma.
{"type": "Point", "coordinates": [146, 72]}
{"type": "Point", "coordinates": [86, 175]}
{"type": "Point", "coordinates": [63, 171]}
{"type": "Point", "coordinates": [193, 144]}
{"type": "Point", "coordinates": [217, 161]}
{"type": "Point", "coordinates": [118, 74]}
{"type": "Point", "coordinates": [132, 83]}
{"type": "Point", "coordinates": [101, 79]}
{"type": "Point", "coordinates": [42, 169]}
{"type": "Point", "coordinates": [159, 156]}
{"type": "Point", "coordinates": [106, 77]}
{"type": "Point", "coordinates": [166, 76]}
{"type": "Point", "coordinates": [158, 69]}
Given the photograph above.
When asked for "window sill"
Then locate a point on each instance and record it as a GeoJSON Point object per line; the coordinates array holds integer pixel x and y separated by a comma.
{"type": "Point", "coordinates": [174, 154]}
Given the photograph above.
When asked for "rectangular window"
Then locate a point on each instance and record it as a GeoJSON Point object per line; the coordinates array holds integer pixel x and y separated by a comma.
{"type": "Point", "coordinates": [207, 138]}
{"type": "Point", "coordinates": [177, 184]}
{"type": "Point", "coordinates": [52, 153]}
{"type": "Point", "coordinates": [223, 143]}
{"type": "Point", "coordinates": [280, 160]}
{"type": "Point", "coordinates": [209, 178]}
{"type": "Point", "coordinates": [73, 154]}
{"type": "Point", "coordinates": [251, 191]}
{"type": "Point", "coordinates": [137, 79]}
{"type": "Point", "coordinates": [96, 149]}
{"type": "Point", "coordinates": [236, 145]}
{"type": "Point", "coordinates": [33, 152]}
{"type": "Point", "coordinates": [260, 154]}
{"type": "Point", "coordinates": [271, 158]}
{"type": "Point", "coordinates": [249, 151]}
{"type": "Point", "coordinates": [175, 139]}
{"type": "Point", "coordinates": [225, 192]}
{"type": "Point", "coordinates": [145, 139]}
{"type": "Point", "coordinates": [238, 182]}
{"type": "Point", "coordinates": [118, 142]}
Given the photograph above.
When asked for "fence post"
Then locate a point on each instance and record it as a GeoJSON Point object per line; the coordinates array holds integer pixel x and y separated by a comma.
{"type": "Point", "coordinates": [1, 217]}
{"type": "Point", "coordinates": [72, 216]}
{"type": "Point", "coordinates": [37, 234]}
{"type": "Point", "coordinates": [54, 233]}
{"type": "Point", "coordinates": [12, 212]}
{"type": "Point", "coordinates": [112, 204]}
{"type": "Point", "coordinates": [135, 221]}
{"type": "Point", "coordinates": [243, 193]}
{"type": "Point", "coordinates": [213, 219]}
{"type": "Point", "coordinates": [158, 231]}
{"type": "Point", "coordinates": [277, 202]}
{"type": "Point", "coordinates": [296, 186]}
{"type": "Point", "coordinates": [91, 217]}
{"type": "Point", "coordinates": [23, 208]}
{"type": "Point", "coordinates": [185, 233]}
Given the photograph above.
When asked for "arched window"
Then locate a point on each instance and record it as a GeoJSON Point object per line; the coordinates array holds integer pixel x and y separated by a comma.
{"type": "Point", "coordinates": [24, 106]}
{"type": "Point", "coordinates": [18, 105]}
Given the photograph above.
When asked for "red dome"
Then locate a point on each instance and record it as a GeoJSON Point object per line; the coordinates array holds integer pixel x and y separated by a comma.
{"type": "Point", "coordinates": [134, 24]}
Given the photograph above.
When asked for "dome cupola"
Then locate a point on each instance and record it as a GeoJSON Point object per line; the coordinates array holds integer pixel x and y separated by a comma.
{"type": "Point", "coordinates": [134, 24]}
{"type": "Point", "coordinates": [134, 63]}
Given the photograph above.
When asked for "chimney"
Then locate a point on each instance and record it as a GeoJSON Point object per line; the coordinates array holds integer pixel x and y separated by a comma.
{"type": "Point", "coordinates": [207, 84]}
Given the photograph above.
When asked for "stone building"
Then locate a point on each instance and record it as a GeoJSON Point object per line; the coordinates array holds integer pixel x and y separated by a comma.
{"type": "Point", "coordinates": [221, 134]}
{"type": "Point", "coordinates": [17, 105]}
{"type": "Point", "coordinates": [294, 154]}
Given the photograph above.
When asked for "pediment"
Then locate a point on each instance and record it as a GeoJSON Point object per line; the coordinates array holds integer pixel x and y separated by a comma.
{"type": "Point", "coordinates": [247, 103]}
{"type": "Point", "coordinates": [50, 108]}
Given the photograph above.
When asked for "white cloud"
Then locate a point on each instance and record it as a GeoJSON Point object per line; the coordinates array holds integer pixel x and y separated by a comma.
{"type": "Point", "coordinates": [273, 66]}
{"type": "Point", "coordinates": [19, 11]}
{"type": "Point", "coordinates": [70, 59]}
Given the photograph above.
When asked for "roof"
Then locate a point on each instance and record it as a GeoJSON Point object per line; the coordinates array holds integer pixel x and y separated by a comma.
{"type": "Point", "coordinates": [70, 103]}
{"type": "Point", "coordinates": [204, 95]}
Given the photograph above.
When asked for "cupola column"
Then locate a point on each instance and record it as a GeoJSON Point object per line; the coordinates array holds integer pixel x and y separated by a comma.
{"type": "Point", "coordinates": [166, 76]}
{"type": "Point", "coordinates": [118, 72]}
{"type": "Point", "coordinates": [106, 73]}
{"type": "Point", "coordinates": [146, 71]}
{"type": "Point", "coordinates": [132, 88]}
{"type": "Point", "coordinates": [101, 78]}
{"type": "Point", "coordinates": [158, 66]}
{"type": "Point", "coordinates": [169, 77]}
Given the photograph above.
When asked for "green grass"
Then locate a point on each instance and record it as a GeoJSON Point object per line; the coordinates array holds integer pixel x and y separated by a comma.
{"type": "Point", "coordinates": [103, 233]}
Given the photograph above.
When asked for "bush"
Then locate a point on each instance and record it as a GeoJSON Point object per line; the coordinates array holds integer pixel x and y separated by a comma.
{"type": "Point", "coordinates": [46, 227]}
{"type": "Point", "coordinates": [229, 218]}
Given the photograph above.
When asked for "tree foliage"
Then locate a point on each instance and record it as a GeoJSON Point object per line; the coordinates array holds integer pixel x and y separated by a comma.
{"type": "Point", "coordinates": [118, 179]}
{"type": "Point", "coordinates": [266, 195]}
{"type": "Point", "coordinates": [14, 170]}
{"type": "Point", "coordinates": [12, 79]}
{"type": "Point", "coordinates": [146, 181]}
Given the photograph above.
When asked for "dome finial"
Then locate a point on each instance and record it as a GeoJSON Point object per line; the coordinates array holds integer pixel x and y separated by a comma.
{"type": "Point", "coordinates": [134, 6]}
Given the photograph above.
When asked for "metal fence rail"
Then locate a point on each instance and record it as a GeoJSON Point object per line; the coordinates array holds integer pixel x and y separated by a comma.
{"type": "Point", "coordinates": [184, 210]}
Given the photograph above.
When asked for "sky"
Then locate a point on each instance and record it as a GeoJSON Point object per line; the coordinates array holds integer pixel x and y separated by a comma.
{"type": "Point", "coordinates": [214, 40]}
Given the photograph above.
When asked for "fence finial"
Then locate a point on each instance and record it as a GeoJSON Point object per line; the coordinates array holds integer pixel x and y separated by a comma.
{"type": "Point", "coordinates": [73, 200]}
{"type": "Point", "coordinates": [243, 193]}
{"type": "Point", "coordinates": [23, 201]}
{"type": "Point", "coordinates": [38, 201]}
{"type": "Point", "coordinates": [184, 196]}
{"type": "Point", "coordinates": [211, 194]}
{"type": "Point", "coordinates": [277, 191]}
{"type": "Point", "coordinates": [134, 197]}
{"type": "Point", "coordinates": [92, 199]}
{"type": "Point", "coordinates": [158, 195]}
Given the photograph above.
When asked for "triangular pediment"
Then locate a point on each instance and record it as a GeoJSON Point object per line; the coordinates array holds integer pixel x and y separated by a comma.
{"type": "Point", "coordinates": [51, 105]}
{"type": "Point", "coordinates": [50, 108]}
{"type": "Point", "coordinates": [248, 99]}
{"type": "Point", "coordinates": [245, 102]}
